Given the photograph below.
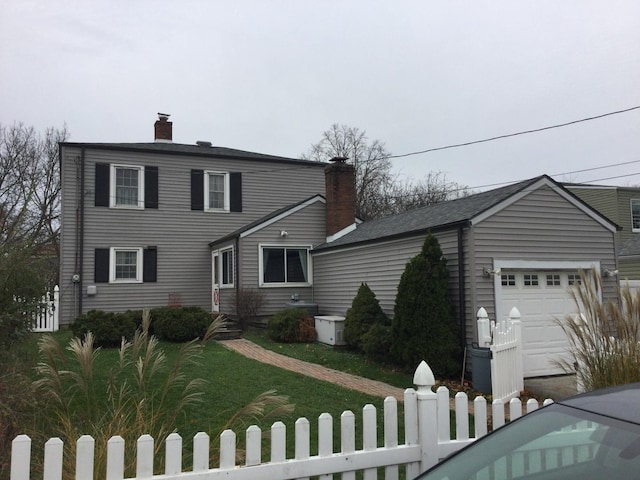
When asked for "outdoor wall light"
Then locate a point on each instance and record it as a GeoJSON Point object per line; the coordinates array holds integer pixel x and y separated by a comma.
{"type": "Point", "coordinates": [610, 273]}
{"type": "Point", "coordinates": [490, 272]}
{"type": "Point", "coordinates": [283, 233]}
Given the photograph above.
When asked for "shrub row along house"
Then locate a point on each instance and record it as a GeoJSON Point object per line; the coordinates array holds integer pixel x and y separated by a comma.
{"type": "Point", "coordinates": [154, 224]}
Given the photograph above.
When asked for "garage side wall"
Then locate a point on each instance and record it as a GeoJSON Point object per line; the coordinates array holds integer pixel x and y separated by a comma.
{"type": "Point", "coordinates": [542, 226]}
{"type": "Point", "coordinates": [339, 273]}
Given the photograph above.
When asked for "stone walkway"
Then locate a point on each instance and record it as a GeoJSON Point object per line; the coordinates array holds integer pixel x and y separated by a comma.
{"type": "Point", "coordinates": [346, 380]}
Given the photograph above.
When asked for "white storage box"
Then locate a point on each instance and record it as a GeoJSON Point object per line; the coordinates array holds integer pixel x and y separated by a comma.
{"type": "Point", "coordinates": [330, 329]}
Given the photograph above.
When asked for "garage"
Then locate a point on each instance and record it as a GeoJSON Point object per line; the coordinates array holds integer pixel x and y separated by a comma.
{"type": "Point", "coordinates": [540, 296]}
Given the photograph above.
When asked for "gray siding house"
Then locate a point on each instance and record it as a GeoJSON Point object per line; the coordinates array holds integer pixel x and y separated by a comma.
{"type": "Point", "coordinates": [621, 205]}
{"type": "Point", "coordinates": [521, 245]}
{"type": "Point", "coordinates": [152, 224]}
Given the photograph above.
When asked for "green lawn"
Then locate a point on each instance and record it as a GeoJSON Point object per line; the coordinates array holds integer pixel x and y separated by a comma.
{"type": "Point", "coordinates": [338, 358]}
{"type": "Point", "coordinates": [233, 381]}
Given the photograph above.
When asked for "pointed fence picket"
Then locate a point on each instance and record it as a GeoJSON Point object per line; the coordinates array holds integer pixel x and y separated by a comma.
{"type": "Point", "coordinates": [45, 316]}
{"type": "Point", "coordinates": [504, 339]}
{"type": "Point", "coordinates": [427, 439]}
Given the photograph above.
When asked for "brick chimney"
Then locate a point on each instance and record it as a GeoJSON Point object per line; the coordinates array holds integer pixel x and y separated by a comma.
{"type": "Point", "coordinates": [341, 196]}
{"type": "Point", "coordinates": [163, 128]}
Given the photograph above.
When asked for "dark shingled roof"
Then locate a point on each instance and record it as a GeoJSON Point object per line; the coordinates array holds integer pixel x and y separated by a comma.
{"type": "Point", "coordinates": [433, 217]}
{"type": "Point", "coordinates": [630, 247]}
{"type": "Point", "coordinates": [193, 150]}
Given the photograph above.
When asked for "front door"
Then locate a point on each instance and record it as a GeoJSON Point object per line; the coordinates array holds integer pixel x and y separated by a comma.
{"type": "Point", "coordinates": [215, 290]}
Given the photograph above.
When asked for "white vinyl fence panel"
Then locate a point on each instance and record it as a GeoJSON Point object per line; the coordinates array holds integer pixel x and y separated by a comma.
{"type": "Point", "coordinates": [427, 439]}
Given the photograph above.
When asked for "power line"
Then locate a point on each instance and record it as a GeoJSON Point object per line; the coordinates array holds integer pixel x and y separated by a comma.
{"type": "Point", "coordinates": [595, 168]}
{"type": "Point", "coordinates": [509, 182]}
{"type": "Point", "coordinates": [515, 134]}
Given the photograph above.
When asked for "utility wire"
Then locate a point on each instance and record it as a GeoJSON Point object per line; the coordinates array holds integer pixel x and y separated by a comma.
{"type": "Point", "coordinates": [515, 134]}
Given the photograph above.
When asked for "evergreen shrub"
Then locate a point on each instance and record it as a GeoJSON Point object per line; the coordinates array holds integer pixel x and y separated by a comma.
{"type": "Point", "coordinates": [365, 312]}
{"type": "Point", "coordinates": [108, 328]}
{"type": "Point", "coordinates": [376, 343]}
{"type": "Point", "coordinates": [423, 326]}
{"type": "Point", "coordinates": [292, 325]}
{"type": "Point", "coordinates": [180, 324]}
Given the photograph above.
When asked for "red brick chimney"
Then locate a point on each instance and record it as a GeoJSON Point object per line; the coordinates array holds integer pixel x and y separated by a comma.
{"type": "Point", "coordinates": [163, 128]}
{"type": "Point", "coordinates": [340, 194]}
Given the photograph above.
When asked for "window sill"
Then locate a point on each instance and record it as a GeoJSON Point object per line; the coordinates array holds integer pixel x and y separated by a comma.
{"type": "Point", "coordinates": [284, 285]}
{"type": "Point", "coordinates": [126, 207]}
{"type": "Point", "coordinates": [216, 210]}
{"type": "Point", "coordinates": [118, 282]}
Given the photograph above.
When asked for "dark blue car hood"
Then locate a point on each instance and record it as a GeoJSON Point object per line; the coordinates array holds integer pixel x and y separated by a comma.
{"type": "Point", "coordinates": [621, 402]}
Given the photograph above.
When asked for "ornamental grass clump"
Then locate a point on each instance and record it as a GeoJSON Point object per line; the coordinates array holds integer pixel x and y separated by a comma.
{"type": "Point", "coordinates": [142, 393]}
{"type": "Point", "coordinates": [603, 337]}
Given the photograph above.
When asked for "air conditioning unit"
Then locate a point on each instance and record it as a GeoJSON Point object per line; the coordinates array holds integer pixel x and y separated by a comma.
{"type": "Point", "coordinates": [330, 329]}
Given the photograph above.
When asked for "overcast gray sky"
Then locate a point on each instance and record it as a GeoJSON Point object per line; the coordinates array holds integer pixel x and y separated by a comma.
{"type": "Point", "coordinates": [271, 75]}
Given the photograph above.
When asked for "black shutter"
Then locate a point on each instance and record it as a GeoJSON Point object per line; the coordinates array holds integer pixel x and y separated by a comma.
{"type": "Point", "coordinates": [197, 189]}
{"type": "Point", "coordinates": [150, 187]}
{"type": "Point", "coordinates": [235, 196]}
{"type": "Point", "coordinates": [101, 265]}
{"type": "Point", "coordinates": [102, 185]}
{"type": "Point", "coordinates": [150, 264]}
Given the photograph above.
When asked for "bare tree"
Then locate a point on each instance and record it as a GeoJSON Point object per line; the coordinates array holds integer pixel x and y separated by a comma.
{"type": "Point", "coordinates": [29, 185]}
{"type": "Point", "coordinates": [433, 188]}
{"type": "Point", "coordinates": [378, 190]}
{"type": "Point", "coordinates": [370, 159]}
{"type": "Point", "coordinates": [29, 211]}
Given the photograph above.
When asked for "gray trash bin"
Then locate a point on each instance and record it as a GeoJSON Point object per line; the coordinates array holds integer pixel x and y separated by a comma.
{"type": "Point", "coordinates": [481, 368]}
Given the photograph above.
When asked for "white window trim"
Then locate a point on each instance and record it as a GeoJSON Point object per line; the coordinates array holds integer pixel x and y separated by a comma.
{"type": "Point", "coordinates": [635, 230]}
{"type": "Point", "coordinates": [112, 264]}
{"type": "Point", "coordinates": [261, 282]}
{"type": "Point", "coordinates": [220, 266]}
{"type": "Point", "coordinates": [112, 186]}
{"type": "Point", "coordinates": [227, 193]}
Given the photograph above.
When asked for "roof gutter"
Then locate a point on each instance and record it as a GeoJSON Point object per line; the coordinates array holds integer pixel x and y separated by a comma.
{"type": "Point", "coordinates": [423, 231]}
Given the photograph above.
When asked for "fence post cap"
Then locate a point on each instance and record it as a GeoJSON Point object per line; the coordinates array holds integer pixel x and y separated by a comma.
{"type": "Point", "coordinates": [482, 313]}
{"type": "Point", "coordinates": [514, 313]}
{"type": "Point", "coordinates": [423, 377]}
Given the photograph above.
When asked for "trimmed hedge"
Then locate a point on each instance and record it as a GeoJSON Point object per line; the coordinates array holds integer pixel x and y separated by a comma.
{"type": "Point", "coordinates": [173, 324]}
{"type": "Point", "coordinates": [108, 328]}
{"type": "Point", "coordinates": [180, 324]}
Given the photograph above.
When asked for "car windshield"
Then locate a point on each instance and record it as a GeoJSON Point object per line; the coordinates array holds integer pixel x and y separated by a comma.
{"type": "Point", "coordinates": [555, 443]}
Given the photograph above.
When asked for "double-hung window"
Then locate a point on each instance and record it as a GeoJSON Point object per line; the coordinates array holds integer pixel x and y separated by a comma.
{"type": "Point", "coordinates": [127, 186]}
{"type": "Point", "coordinates": [126, 265]}
{"type": "Point", "coordinates": [635, 215]}
{"type": "Point", "coordinates": [216, 191]}
{"type": "Point", "coordinates": [284, 266]}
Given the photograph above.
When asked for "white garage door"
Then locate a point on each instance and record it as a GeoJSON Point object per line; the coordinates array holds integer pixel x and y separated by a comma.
{"type": "Point", "coordinates": [540, 296]}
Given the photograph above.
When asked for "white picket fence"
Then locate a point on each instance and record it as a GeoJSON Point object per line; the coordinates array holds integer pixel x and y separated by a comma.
{"type": "Point", "coordinates": [427, 439]}
{"type": "Point", "coordinates": [45, 317]}
{"type": "Point", "coordinates": [504, 339]}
